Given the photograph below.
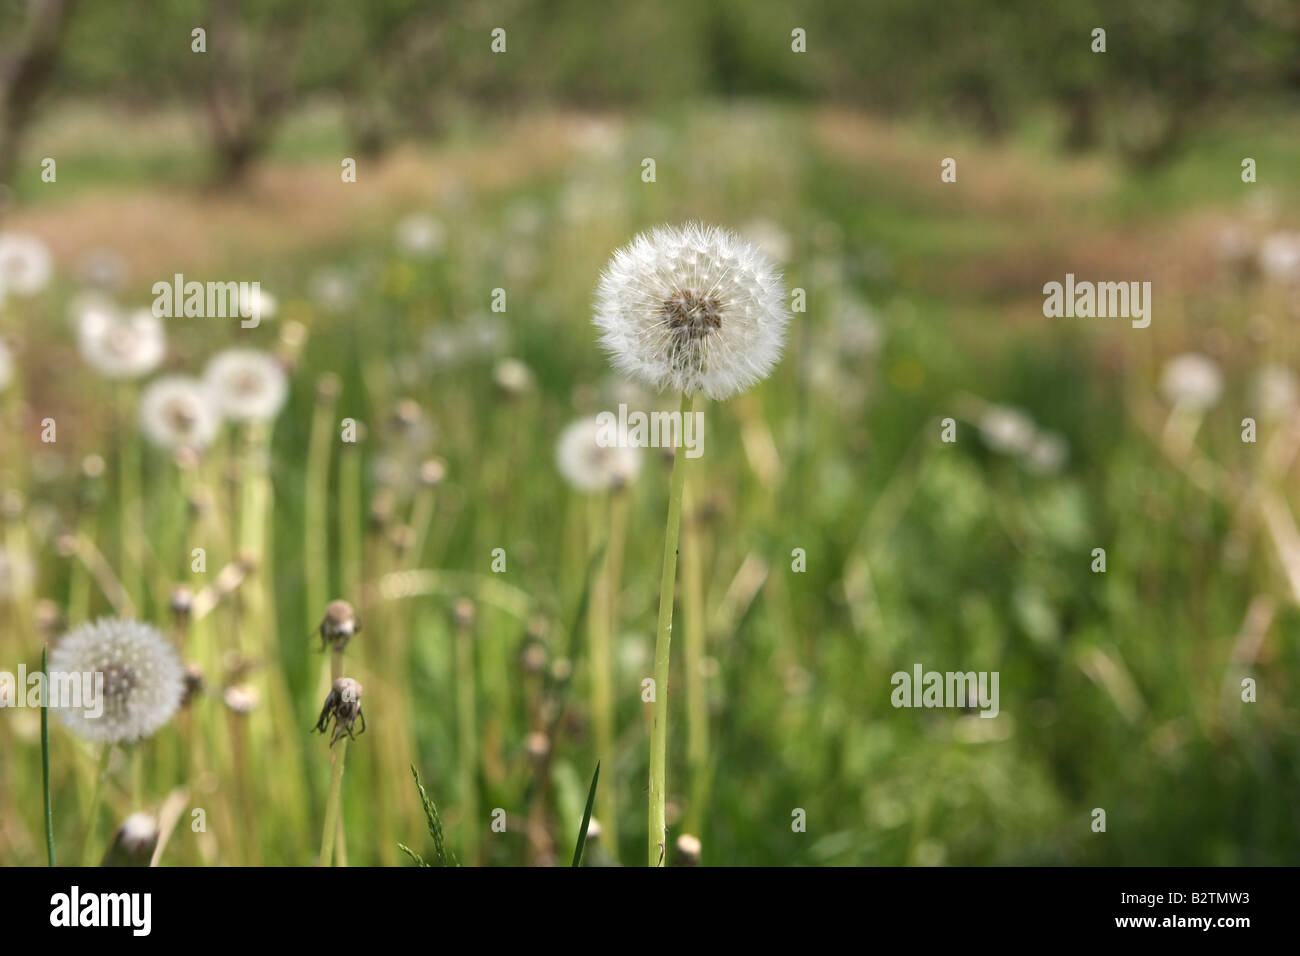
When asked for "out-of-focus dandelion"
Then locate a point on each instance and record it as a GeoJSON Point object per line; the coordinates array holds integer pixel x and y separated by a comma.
{"type": "Point", "coordinates": [178, 412]}
{"type": "Point", "coordinates": [1279, 256]}
{"type": "Point", "coordinates": [25, 265]}
{"type": "Point", "coordinates": [253, 301]}
{"type": "Point", "coordinates": [119, 346]}
{"type": "Point", "coordinates": [420, 236]}
{"type": "Point", "coordinates": [1007, 430]}
{"type": "Point", "coordinates": [1046, 454]}
{"type": "Point", "coordinates": [512, 376]}
{"type": "Point", "coordinates": [696, 309]}
{"type": "Point", "coordinates": [333, 291]}
{"type": "Point", "coordinates": [102, 269]}
{"type": "Point", "coordinates": [1192, 380]}
{"type": "Point", "coordinates": [247, 385]}
{"type": "Point", "coordinates": [143, 679]}
{"type": "Point", "coordinates": [588, 465]}
{"type": "Point", "coordinates": [134, 842]}
{"type": "Point", "coordinates": [1276, 391]}
{"type": "Point", "coordinates": [770, 238]}
{"type": "Point", "coordinates": [240, 699]}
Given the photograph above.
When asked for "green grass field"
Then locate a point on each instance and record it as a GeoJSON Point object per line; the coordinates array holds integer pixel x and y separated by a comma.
{"type": "Point", "coordinates": [1119, 690]}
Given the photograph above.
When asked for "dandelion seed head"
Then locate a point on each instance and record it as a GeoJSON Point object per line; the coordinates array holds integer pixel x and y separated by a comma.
{"type": "Point", "coordinates": [1192, 380]}
{"type": "Point", "coordinates": [1007, 430]}
{"type": "Point", "coordinates": [591, 467]}
{"type": "Point", "coordinates": [25, 265]}
{"type": "Point", "coordinates": [1047, 453]}
{"type": "Point", "coordinates": [143, 679]}
{"type": "Point", "coordinates": [695, 309]}
{"type": "Point", "coordinates": [1279, 256]}
{"type": "Point", "coordinates": [178, 412]}
{"type": "Point", "coordinates": [248, 385]}
{"type": "Point", "coordinates": [1276, 391]}
{"type": "Point", "coordinates": [421, 236]}
{"type": "Point", "coordinates": [119, 346]}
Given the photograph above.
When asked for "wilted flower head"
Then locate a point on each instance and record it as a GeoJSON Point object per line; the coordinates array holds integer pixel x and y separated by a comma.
{"type": "Point", "coordinates": [118, 346]}
{"type": "Point", "coordinates": [24, 264]}
{"type": "Point", "coordinates": [1192, 380]}
{"type": "Point", "coordinates": [178, 412]}
{"type": "Point", "coordinates": [697, 309]}
{"type": "Point", "coordinates": [339, 625]}
{"type": "Point", "coordinates": [343, 708]}
{"type": "Point", "coordinates": [589, 466]}
{"type": "Point", "coordinates": [247, 385]}
{"type": "Point", "coordinates": [1007, 430]}
{"type": "Point", "coordinates": [143, 679]}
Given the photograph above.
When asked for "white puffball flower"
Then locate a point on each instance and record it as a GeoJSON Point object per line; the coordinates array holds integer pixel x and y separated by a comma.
{"type": "Point", "coordinates": [588, 465]}
{"type": "Point", "coordinates": [120, 346]}
{"type": "Point", "coordinates": [253, 301]}
{"type": "Point", "coordinates": [1007, 430]}
{"type": "Point", "coordinates": [1192, 380]}
{"type": "Point", "coordinates": [1046, 454]}
{"type": "Point", "coordinates": [420, 236]}
{"type": "Point", "coordinates": [248, 386]}
{"type": "Point", "coordinates": [142, 673]}
{"type": "Point", "coordinates": [25, 264]}
{"type": "Point", "coordinates": [178, 412]}
{"type": "Point", "coordinates": [1279, 256]}
{"type": "Point", "coordinates": [695, 309]}
{"type": "Point", "coordinates": [1276, 391]}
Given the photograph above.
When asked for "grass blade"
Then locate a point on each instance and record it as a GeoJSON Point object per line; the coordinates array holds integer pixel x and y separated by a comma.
{"type": "Point", "coordinates": [45, 758]}
{"type": "Point", "coordinates": [586, 818]}
{"type": "Point", "coordinates": [441, 853]}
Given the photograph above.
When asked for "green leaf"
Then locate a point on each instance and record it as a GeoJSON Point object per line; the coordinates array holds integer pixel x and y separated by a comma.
{"type": "Point", "coordinates": [45, 757]}
{"type": "Point", "coordinates": [586, 818]}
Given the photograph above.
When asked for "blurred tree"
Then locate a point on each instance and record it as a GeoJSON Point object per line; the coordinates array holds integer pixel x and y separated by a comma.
{"type": "Point", "coordinates": [27, 67]}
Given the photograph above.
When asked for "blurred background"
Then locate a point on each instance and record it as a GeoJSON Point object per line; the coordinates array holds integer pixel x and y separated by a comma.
{"type": "Point", "coordinates": [522, 171]}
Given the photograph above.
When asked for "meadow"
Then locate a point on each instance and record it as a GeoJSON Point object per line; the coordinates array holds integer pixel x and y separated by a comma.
{"type": "Point", "coordinates": [831, 537]}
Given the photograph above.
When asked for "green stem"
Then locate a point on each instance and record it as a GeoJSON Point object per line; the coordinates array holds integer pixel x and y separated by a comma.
{"type": "Point", "coordinates": [92, 824]}
{"type": "Point", "coordinates": [697, 706]}
{"type": "Point", "coordinates": [45, 759]}
{"type": "Point", "coordinates": [334, 804]}
{"type": "Point", "coordinates": [467, 751]}
{"type": "Point", "coordinates": [658, 834]}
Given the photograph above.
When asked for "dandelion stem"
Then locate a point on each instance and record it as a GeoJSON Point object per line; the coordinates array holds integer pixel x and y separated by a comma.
{"type": "Point", "coordinates": [45, 760]}
{"type": "Point", "coordinates": [658, 835]}
{"type": "Point", "coordinates": [697, 707]}
{"type": "Point", "coordinates": [334, 803]}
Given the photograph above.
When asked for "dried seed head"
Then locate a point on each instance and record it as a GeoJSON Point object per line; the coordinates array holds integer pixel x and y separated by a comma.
{"type": "Point", "coordinates": [343, 708]}
{"type": "Point", "coordinates": [327, 388]}
{"type": "Point", "coordinates": [688, 850]}
{"type": "Point", "coordinates": [134, 842]}
{"type": "Point", "coordinates": [339, 626]}
{"type": "Point", "coordinates": [182, 602]}
{"type": "Point", "coordinates": [463, 613]}
{"type": "Point", "coordinates": [241, 698]}
{"type": "Point", "coordinates": [538, 745]}
{"type": "Point", "coordinates": [432, 472]}
{"type": "Point", "coordinates": [533, 657]}
{"type": "Point", "coordinates": [194, 684]}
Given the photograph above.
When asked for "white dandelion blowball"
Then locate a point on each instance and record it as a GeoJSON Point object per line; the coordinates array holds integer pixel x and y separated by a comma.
{"type": "Point", "coordinates": [1192, 380]}
{"type": "Point", "coordinates": [248, 386]}
{"type": "Point", "coordinates": [143, 680]}
{"type": "Point", "coordinates": [178, 412]}
{"type": "Point", "coordinates": [696, 309]}
{"type": "Point", "coordinates": [118, 346]}
{"type": "Point", "coordinates": [590, 466]}
{"type": "Point", "coordinates": [1007, 430]}
{"type": "Point", "coordinates": [25, 264]}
